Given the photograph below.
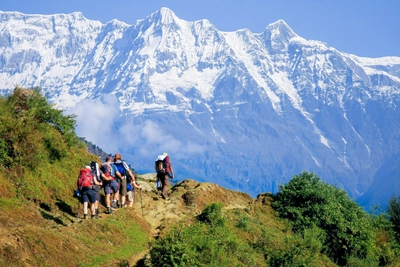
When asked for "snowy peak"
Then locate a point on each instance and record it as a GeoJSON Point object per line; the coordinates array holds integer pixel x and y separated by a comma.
{"type": "Point", "coordinates": [163, 17]}
{"type": "Point", "coordinates": [277, 35]}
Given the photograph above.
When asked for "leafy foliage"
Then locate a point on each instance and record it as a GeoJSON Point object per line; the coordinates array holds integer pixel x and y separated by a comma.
{"type": "Point", "coordinates": [212, 214]}
{"type": "Point", "coordinates": [29, 124]}
{"type": "Point", "coordinates": [39, 150]}
{"type": "Point", "coordinates": [394, 214]}
{"type": "Point", "coordinates": [307, 201]}
{"type": "Point", "coordinates": [205, 243]}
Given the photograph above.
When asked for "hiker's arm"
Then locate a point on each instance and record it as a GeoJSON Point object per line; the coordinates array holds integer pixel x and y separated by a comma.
{"type": "Point", "coordinates": [136, 185]}
{"type": "Point", "coordinates": [105, 178]}
{"type": "Point", "coordinates": [96, 182]}
{"type": "Point", "coordinates": [172, 171]}
{"type": "Point", "coordinates": [132, 175]}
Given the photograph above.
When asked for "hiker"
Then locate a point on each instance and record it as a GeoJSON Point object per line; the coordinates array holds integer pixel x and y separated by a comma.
{"type": "Point", "coordinates": [85, 184]}
{"type": "Point", "coordinates": [165, 172]}
{"type": "Point", "coordinates": [108, 174]}
{"type": "Point", "coordinates": [131, 192]}
{"type": "Point", "coordinates": [98, 183]}
{"type": "Point", "coordinates": [125, 176]}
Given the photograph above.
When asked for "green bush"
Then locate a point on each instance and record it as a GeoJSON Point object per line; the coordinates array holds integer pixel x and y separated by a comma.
{"type": "Point", "coordinates": [32, 130]}
{"type": "Point", "coordinates": [307, 201]}
{"type": "Point", "coordinates": [394, 215]}
{"type": "Point", "coordinates": [212, 214]}
{"type": "Point", "coordinates": [208, 242]}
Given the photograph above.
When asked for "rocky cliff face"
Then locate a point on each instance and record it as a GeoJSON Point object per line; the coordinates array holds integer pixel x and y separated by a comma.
{"type": "Point", "coordinates": [247, 111]}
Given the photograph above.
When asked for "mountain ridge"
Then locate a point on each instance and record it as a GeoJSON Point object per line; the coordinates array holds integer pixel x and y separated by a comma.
{"type": "Point", "coordinates": [266, 105]}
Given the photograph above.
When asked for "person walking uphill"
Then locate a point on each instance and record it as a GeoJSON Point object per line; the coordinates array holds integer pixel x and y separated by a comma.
{"type": "Point", "coordinates": [165, 172]}
{"type": "Point", "coordinates": [85, 184]}
{"type": "Point", "coordinates": [125, 176]}
{"type": "Point", "coordinates": [108, 174]}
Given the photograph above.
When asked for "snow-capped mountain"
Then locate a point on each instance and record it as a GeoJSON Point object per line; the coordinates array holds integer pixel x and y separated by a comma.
{"type": "Point", "coordinates": [247, 111]}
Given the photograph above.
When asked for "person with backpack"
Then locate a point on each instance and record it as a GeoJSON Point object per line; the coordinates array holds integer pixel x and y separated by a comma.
{"type": "Point", "coordinates": [97, 185]}
{"type": "Point", "coordinates": [164, 172]}
{"type": "Point", "coordinates": [85, 184]}
{"type": "Point", "coordinates": [125, 176]}
{"type": "Point", "coordinates": [109, 173]}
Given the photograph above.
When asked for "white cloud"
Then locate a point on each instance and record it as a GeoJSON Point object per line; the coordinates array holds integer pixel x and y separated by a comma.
{"type": "Point", "coordinates": [100, 122]}
{"type": "Point", "coordinates": [95, 120]}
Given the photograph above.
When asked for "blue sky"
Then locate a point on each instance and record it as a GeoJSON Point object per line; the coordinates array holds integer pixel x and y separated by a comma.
{"type": "Point", "coordinates": [369, 28]}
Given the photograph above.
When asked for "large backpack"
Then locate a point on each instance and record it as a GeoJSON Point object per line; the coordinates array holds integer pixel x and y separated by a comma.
{"type": "Point", "coordinates": [85, 178]}
{"type": "Point", "coordinates": [95, 170]}
{"type": "Point", "coordinates": [107, 170]}
{"type": "Point", "coordinates": [160, 166]}
{"type": "Point", "coordinates": [123, 171]}
{"type": "Point", "coordinates": [120, 167]}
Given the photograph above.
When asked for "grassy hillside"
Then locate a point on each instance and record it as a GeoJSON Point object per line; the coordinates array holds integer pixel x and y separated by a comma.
{"type": "Point", "coordinates": [308, 223]}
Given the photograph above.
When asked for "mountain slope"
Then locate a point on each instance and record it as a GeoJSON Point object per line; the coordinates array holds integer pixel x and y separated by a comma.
{"type": "Point", "coordinates": [246, 110]}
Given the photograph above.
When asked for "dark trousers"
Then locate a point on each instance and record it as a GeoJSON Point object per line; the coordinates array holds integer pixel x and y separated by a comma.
{"type": "Point", "coordinates": [163, 177]}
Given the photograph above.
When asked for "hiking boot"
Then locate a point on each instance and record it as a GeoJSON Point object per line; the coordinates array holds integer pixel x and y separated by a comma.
{"type": "Point", "coordinates": [114, 204]}
{"type": "Point", "coordinates": [93, 217]}
{"type": "Point", "coordinates": [109, 210]}
{"type": "Point", "coordinates": [85, 216]}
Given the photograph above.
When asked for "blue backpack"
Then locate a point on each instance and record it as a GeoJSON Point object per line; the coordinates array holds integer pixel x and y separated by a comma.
{"type": "Point", "coordinates": [120, 167]}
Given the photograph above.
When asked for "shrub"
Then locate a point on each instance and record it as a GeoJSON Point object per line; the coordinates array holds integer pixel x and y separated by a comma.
{"type": "Point", "coordinates": [208, 242]}
{"type": "Point", "coordinates": [212, 214]}
{"type": "Point", "coordinates": [394, 215]}
{"type": "Point", "coordinates": [307, 201]}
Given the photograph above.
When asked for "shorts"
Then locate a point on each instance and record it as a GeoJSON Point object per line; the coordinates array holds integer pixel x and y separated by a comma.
{"type": "Point", "coordinates": [97, 190]}
{"type": "Point", "coordinates": [131, 196]}
{"type": "Point", "coordinates": [88, 194]}
{"type": "Point", "coordinates": [110, 185]}
{"type": "Point", "coordinates": [122, 188]}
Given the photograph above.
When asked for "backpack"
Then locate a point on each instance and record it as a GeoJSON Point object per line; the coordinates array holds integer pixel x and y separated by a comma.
{"type": "Point", "coordinates": [95, 170]}
{"type": "Point", "coordinates": [123, 171]}
{"type": "Point", "coordinates": [85, 178]}
{"type": "Point", "coordinates": [120, 168]}
{"type": "Point", "coordinates": [160, 166]}
{"type": "Point", "coordinates": [107, 170]}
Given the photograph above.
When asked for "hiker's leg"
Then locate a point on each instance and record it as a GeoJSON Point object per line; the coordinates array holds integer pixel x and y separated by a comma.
{"type": "Point", "coordinates": [107, 193]}
{"type": "Point", "coordinates": [165, 186]}
{"type": "Point", "coordinates": [98, 192]}
{"type": "Point", "coordinates": [130, 195]}
{"type": "Point", "coordinates": [114, 188]}
{"type": "Point", "coordinates": [93, 209]}
{"type": "Point", "coordinates": [92, 198]}
{"type": "Point", "coordinates": [123, 192]}
{"type": "Point", "coordinates": [85, 208]}
{"type": "Point", "coordinates": [108, 200]}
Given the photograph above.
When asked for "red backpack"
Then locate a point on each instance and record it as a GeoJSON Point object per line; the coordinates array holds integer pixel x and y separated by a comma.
{"type": "Point", "coordinates": [107, 170]}
{"type": "Point", "coordinates": [85, 178]}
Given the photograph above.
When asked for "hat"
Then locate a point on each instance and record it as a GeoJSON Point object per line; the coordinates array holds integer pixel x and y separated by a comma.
{"type": "Point", "coordinates": [165, 154]}
{"type": "Point", "coordinates": [117, 156]}
{"type": "Point", "coordinates": [108, 158]}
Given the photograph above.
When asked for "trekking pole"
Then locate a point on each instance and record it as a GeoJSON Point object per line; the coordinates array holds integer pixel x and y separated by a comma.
{"type": "Point", "coordinates": [141, 202]}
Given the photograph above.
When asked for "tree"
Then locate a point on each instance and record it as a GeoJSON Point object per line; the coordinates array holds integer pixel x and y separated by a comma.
{"type": "Point", "coordinates": [394, 215]}
{"type": "Point", "coordinates": [307, 201]}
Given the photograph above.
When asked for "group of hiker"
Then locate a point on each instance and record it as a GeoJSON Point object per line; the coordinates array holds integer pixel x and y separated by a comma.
{"type": "Point", "coordinates": [118, 181]}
